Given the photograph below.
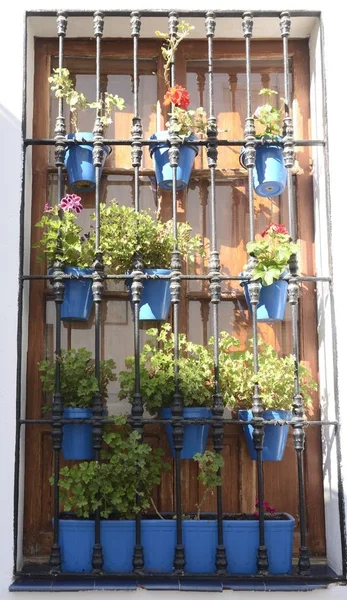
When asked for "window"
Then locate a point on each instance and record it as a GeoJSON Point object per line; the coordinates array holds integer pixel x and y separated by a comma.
{"type": "Point", "coordinates": [226, 188]}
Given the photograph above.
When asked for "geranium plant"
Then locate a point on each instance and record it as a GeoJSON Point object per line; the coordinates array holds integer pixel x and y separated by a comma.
{"type": "Point", "coordinates": [210, 464]}
{"type": "Point", "coordinates": [267, 117]}
{"type": "Point", "coordinates": [272, 251]}
{"type": "Point", "coordinates": [63, 87]}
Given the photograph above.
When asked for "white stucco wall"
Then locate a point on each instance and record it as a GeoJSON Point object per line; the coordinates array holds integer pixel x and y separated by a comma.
{"type": "Point", "coordinates": [11, 55]}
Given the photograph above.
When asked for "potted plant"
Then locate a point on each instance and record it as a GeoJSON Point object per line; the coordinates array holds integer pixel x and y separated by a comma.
{"type": "Point", "coordinates": [124, 233]}
{"type": "Point", "coordinates": [269, 174]}
{"type": "Point", "coordinates": [184, 123]}
{"type": "Point", "coordinates": [63, 239]}
{"type": "Point", "coordinates": [158, 384]}
{"type": "Point", "coordinates": [121, 487]}
{"type": "Point", "coordinates": [272, 251]}
{"type": "Point", "coordinates": [79, 158]}
{"type": "Point", "coordinates": [276, 381]}
{"type": "Point", "coordinates": [78, 385]}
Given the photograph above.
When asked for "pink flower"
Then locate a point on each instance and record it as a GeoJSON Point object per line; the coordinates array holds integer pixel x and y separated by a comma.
{"type": "Point", "coordinates": [71, 202]}
{"type": "Point", "coordinates": [275, 228]}
{"type": "Point", "coordinates": [48, 207]}
{"type": "Point", "coordinates": [266, 506]}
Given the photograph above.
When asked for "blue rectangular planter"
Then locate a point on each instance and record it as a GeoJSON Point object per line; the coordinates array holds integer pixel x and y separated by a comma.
{"type": "Point", "coordinates": [200, 543]}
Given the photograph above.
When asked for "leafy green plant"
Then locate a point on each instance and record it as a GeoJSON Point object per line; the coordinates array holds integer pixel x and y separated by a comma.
{"type": "Point", "coordinates": [171, 43]}
{"type": "Point", "coordinates": [78, 381]}
{"type": "Point", "coordinates": [267, 117]}
{"type": "Point", "coordinates": [275, 376]}
{"type": "Point", "coordinates": [157, 372]}
{"type": "Point", "coordinates": [121, 485]}
{"type": "Point", "coordinates": [272, 252]}
{"type": "Point", "coordinates": [124, 233]}
{"type": "Point", "coordinates": [63, 87]}
{"type": "Point", "coordinates": [210, 464]}
{"type": "Point", "coordinates": [60, 228]}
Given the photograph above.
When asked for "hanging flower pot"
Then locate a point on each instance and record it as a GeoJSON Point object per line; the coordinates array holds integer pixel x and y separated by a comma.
{"type": "Point", "coordinates": [269, 172]}
{"type": "Point", "coordinates": [78, 296]}
{"type": "Point", "coordinates": [163, 170]}
{"type": "Point", "coordinates": [275, 436]}
{"type": "Point", "coordinates": [79, 162]}
{"type": "Point", "coordinates": [78, 438]}
{"type": "Point", "coordinates": [155, 298]}
{"type": "Point", "coordinates": [194, 436]}
{"type": "Point", "coordinates": [272, 301]}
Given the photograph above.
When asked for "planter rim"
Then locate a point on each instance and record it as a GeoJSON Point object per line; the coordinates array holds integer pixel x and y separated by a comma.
{"type": "Point", "coordinates": [81, 134]}
{"type": "Point", "coordinates": [160, 142]}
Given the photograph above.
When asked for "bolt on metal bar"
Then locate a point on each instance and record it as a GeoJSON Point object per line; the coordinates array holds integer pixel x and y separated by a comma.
{"type": "Point", "coordinates": [137, 286]}
{"type": "Point", "coordinates": [293, 294]}
{"type": "Point", "coordinates": [58, 288]}
{"type": "Point", "coordinates": [98, 286]}
{"type": "Point", "coordinates": [215, 286]}
{"type": "Point", "coordinates": [254, 293]}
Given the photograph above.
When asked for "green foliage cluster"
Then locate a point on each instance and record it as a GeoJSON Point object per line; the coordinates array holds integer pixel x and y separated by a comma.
{"type": "Point", "coordinates": [267, 117]}
{"type": "Point", "coordinates": [188, 122]}
{"type": "Point", "coordinates": [121, 485]}
{"type": "Point", "coordinates": [210, 464]}
{"type": "Point", "coordinates": [63, 87]}
{"type": "Point", "coordinates": [275, 376]}
{"type": "Point", "coordinates": [124, 232]}
{"type": "Point", "coordinates": [77, 249]}
{"type": "Point", "coordinates": [157, 372]}
{"type": "Point", "coordinates": [171, 43]}
{"type": "Point", "coordinates": [272, 253]}
{"type": "Point", "coordinates": [78, 381]}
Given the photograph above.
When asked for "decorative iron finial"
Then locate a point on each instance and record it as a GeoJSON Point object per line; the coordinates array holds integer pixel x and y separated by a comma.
{"type": "Point", "coordinates": [285, 23]}
{"type": "Point", "coordinates": [61, 23]}
{"type": "Point", "coordinates": [210, 23]}
{"type": "Point", "coordinates": [247, 24]}
{"type": "Point", "coordinates": [135, 23]}
{"type": "Point", "coordinates": [98, 23]}
{"type": "Point", "coordinates": [173, 22]}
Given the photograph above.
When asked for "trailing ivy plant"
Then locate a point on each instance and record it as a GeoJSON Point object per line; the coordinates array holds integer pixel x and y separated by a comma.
{"type": "Point", "coordinates": [210, 464]}
{"type": "Point", "coordinates": [157, 372]}
{"type": "Point", "coordinates": [78, 381]}
{"type": "Point", "coordinates": [275, 376]}
{"type": "Point", "coordinates": [121, 486]}
{"type": "Point", "coordinates": [124, 233]}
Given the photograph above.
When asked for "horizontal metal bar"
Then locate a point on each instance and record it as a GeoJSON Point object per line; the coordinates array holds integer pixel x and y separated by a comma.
{"type": "Point", "coordinates": [155, 421]}
{"type": "Point", "coordinates": [148, 142]}
{"type": "Point", "coordinates": [232, 14]}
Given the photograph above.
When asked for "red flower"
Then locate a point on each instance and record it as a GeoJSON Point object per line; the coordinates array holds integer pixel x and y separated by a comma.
{"type": "Point", "coordinates": [275, 228]}
{"type": "Point", "coordinates": [178, 95]}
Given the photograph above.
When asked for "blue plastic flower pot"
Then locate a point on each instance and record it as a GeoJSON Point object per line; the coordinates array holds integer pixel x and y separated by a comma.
{"type": "Point", "coordinates": [272, 301]}
{"type": "Point", "coordinates": [241, 540]}
{"type": "Point", "coordinates": [76, 540]}
{"type": "Point", "coordinates": [118, 540]}
{"type": "Point", "coordinates": [79, 162]}
{"type": "Point", "coordinates": [269, 174]}
{"type": "Point", "coordinates": [156, 299]}
{"type": "Point", "coordinates": [158, 538]}
{"type": "Point", "coordinates": [78, 296]}
{"type": "Point", "coordinates": [78, 439]}
{"type": "Point", "coordinates": [194, 436]}
{"type": "Point", "coordinates": [163, 171]}
{"type": "Point", "coordinates": [200, 544]}
{"type": "Point", "coordinates": [275, 437]}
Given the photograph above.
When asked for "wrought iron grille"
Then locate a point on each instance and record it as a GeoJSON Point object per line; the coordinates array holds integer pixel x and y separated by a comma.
{"type": "Point", "coordinates": [214, 278]}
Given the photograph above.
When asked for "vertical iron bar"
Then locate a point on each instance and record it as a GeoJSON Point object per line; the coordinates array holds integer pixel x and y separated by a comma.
{"type": "Point", "coordinates": [58, 288]}
{"type": "Point", "coordinates": [293, 295]}
{"type": "Point", "coordinates": [254, 292]}
{"type": "Point", "coordinates": [98, 275]}
{"type": "Point", "coordinates": [175, 288]}
{"type": "Point", "coordinates": [215, 286]}
{"type": "Point", "coordinates": [137, 286]}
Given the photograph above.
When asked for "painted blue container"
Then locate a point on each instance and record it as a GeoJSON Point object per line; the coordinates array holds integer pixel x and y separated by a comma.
{"type": "Point", "coordinates": [275, 437]}
{"type": "Point", "coordinates": [79, 162]}
{"type": "Point", "coordinates": [194, 436]}
{"type": "Point", "coordinates": [76, 539]}
{"type": "Point", "coordinates": [163, 171]}
{"type": "Point", "coordinates": [269, 174]}
{"type": "Point", "coordinates": [200, 544]}
{"type": "Point", "coordinates": [118, 541]}
{"type": "Point", "coordinates": [272, 301]}
{"type": "Point", "coordinates": [155, 299]}
{"type": "Point", "coordinates": [78, 296]}
{"type": "Point", "coordinates": [241, 540]}
{"type": "Point", "coordinates": [78, 439]}
{"type": "Point", "coordinates": [158, 538]}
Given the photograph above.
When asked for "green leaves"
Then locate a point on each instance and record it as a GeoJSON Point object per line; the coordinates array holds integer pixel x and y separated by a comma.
{"type": "Point", "coordinates": [78, 381]}
{"type": "Point", "coordinates": [122, 485]}
{"type": "Point", "coordinates": [272, 253]}
{"type": "Point", "coordinates": [171, 44]}
{"type": "Point", "coordinates": [268, 116]}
